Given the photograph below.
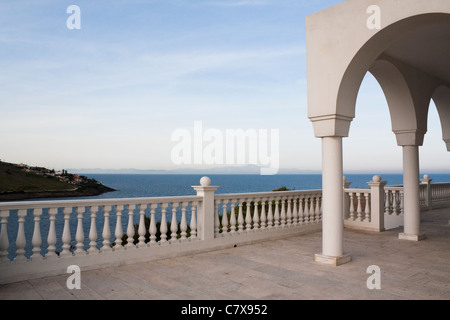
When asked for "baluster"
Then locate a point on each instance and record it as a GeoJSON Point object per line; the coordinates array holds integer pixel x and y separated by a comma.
{"type": "Point", "coordinates": [216, 218]}
{"type": "Point", "coordinates": [240, 216]}
{"type": "Point", "coordinates": [256, 215]}
{"type": "Point", "coordinates": [93, 231]}
{"type": "Point", "coordinates": [306, 213]}
{"type": "Point", "coordinates": [263, 214]}
{"type": "Point", "coordinates": [173, 224]}
{"type": "Point", "coordinates": [248, 217]}
{"type": "Point", "coordinates": [402, 202]}
{"type": "Point", "coordinates": [387, 203]}
{"type": "Point", "coordinates": [183, 225]}
{"type": "Point", "coordinates": [283, 213]}
{"type": "Point", "coordinates": [20, 240]}
{"type": "Point", "coordinates": [141, 229]}
{"type": "Point", "coordinates": [66, 237]}
{"type": "Point", "coordinates": [37, 239]}
{"type": "Point", "coordinates": [193, 224]}
{"type": "Point", "coordinates": [289, 212]}
{"type": "Point", "coordinates": [163, 227]}
{"type": "Point", "coordinates": [118, 232]}
{"type": "Point", "coordinates": [51, 238]}
{"type": "Point", "coordinates": [276, 215]}
{"type": "Point", "coordinates": [395, 210]}
{"type": "Point", "coordinates": [294, 211]}
{"type": "Point", "coordinates": [317, 210]}
{"type": "Point", "coordinates": [152, 228]}
{"type": "Point", "coordinates": [225, 216]}
{"type": "Point", "coordinates": [367, 208]}
{"type": "Point", "coordinates": [312, 213]}
{"type": "Point", "coordinates": [301, 211]}
{"type": "Point", "coordinates": [233, 217]}
{"type": "Point", "coordinates": [269, 214]}
{"type": "Point", "coordinates": [106, 234]}
{"type": "Point", "coordinates": [352, 206]}
{"type": "Point", "coordinates": [4, 242]}
{"type": "Point", "coordinates": [130, 227]}
{"type": "Point", "coordinates": [359, 209]}
{"type": "Point", "coordinates": [321, 207]}
{"type": "Point", "coordinates": [79, 235]}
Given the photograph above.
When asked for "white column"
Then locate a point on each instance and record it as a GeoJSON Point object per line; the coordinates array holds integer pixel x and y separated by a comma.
{"type": "Point", "coordinates": [411, 194]}
{"type": "Point", "coordinates": [332, 197]}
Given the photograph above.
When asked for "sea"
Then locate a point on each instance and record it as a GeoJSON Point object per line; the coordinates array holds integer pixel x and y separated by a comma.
{"type": "Point", "coordinates": [145, 185]}
{"type": "Point", "coordinates": [161, 185]}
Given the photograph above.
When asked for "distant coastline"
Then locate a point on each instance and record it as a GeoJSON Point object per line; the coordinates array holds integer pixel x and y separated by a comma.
{"type": "Point", "coordinates": [24, 182]}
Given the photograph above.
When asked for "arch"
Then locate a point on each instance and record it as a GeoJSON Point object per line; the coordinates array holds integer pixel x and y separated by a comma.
{"type": "Point", "coordinates": [341, 49]}
{"type": "Point", "coordinates": [398, 96]}
{"type": "Point", "coordinates": [441, 98]}
{"type": "Point", "coordinates": [374, 50]}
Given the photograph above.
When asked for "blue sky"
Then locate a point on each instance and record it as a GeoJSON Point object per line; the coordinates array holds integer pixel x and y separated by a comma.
{"type": "Point", "coordinates": [110, 94]}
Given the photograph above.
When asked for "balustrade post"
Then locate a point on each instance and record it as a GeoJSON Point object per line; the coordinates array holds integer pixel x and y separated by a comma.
{"type": "Point", "coordinates": [377, 202]}
{"type": "Point", "coordinates": [51, 238]}
{"type": "Point", "coordinates": [428, 200]}
{"type": "Point", "coordinates": [37, 239]}
{"type": "Point", "coordinates": [152, 229]}
{"type": "Point", "coordinates": [193, 224]}
{"type": "Point", "coordinates": [347, 199]}
{"type": "Point", "coordinates": [106, 234]}
{"type": "Point", "coordinates": [163, 226]}
{"type": "Point", "coordinates": [20, 240]}
{"type": "Point", "coordinates": [205, 218]}
{"type": "Point", "coordinates": [93, 231]}
{"type": "Point", "coordinates": [4, 242]}
{"type": "Point", "coordinates": [118, 232]}
{"type": "Point", "coordinates": [66, 237]}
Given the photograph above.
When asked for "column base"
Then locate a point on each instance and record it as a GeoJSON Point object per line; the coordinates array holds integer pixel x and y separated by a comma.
{"type": "Point", "coordinates": [332, 260]}
{"type": "Point", "coordinates": [412, 237]}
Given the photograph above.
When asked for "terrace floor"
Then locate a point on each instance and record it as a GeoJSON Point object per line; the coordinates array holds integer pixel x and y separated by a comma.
{"type": "Point", "coordinates": [279, 269]}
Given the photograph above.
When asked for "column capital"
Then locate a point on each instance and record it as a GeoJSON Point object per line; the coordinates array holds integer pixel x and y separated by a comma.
{"type": "Point", "coordinates": [332, 125]}
{"type": "Point", "coordinates": [409, 137]}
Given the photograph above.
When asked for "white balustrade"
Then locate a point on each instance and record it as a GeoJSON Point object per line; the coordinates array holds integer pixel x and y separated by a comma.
{"type": "Point", "coordinates": [268, 211]}
{"type": "Point", "coordinates": [359, 199]}
{"type": "Point", "coordinates": [173, 224]}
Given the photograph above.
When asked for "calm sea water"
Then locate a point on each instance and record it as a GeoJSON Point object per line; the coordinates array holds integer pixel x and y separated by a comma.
{"type": "Point", "coordinates": [131, 185]}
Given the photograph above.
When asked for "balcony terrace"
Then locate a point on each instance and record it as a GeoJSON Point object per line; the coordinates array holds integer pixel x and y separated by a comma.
{"type": "Point", "coordinates": [268, 256]}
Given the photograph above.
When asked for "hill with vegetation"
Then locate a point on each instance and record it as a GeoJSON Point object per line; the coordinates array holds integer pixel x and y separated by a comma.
{"type": "Point", "coordinates": [21, 181]}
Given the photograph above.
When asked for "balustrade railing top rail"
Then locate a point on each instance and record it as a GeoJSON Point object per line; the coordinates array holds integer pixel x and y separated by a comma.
{"type": "Point", "coordinates": [92, 202]}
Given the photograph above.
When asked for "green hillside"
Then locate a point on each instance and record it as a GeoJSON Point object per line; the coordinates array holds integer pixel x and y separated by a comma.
{"type": "Point", "coordinates": [14, 178]}
{"type": "Point", "coordinates": [20, 182]}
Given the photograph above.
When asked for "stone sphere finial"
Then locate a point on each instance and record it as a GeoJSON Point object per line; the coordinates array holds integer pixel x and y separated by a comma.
{"type": "Point", "coordinates": [376, 178]}
{"type": "Point", "coordinates": [205, 181]}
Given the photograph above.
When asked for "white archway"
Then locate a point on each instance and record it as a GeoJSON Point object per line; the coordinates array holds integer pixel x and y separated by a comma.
{"type": "Point", "coordinates": [409, 57]}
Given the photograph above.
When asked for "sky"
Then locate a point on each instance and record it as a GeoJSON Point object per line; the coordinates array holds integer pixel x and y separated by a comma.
{"type": "Point", "coordinates": [111, 94]}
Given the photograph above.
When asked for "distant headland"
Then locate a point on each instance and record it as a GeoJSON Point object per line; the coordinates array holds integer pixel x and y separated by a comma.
{"type": "Point", "coordinates": [24, 182]}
